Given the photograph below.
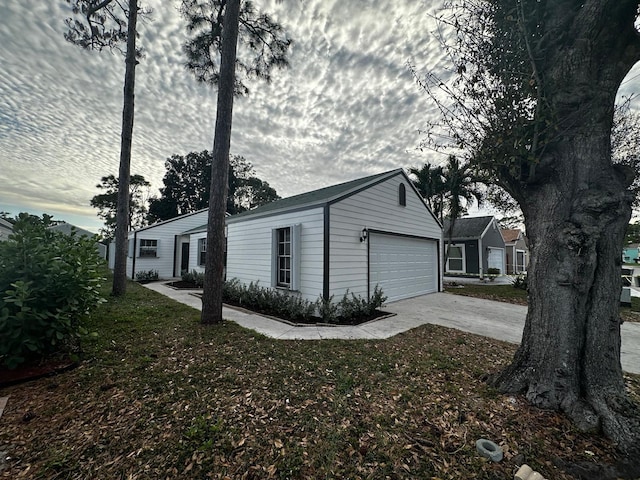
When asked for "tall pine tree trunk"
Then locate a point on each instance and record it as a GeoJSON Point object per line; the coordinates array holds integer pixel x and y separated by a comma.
{"type": "Point", "coordinates": [214, 265]}
{"type": "Point", "coordinates": [122, 213]}
{"type": "Point", "coordinates": [577, 206]}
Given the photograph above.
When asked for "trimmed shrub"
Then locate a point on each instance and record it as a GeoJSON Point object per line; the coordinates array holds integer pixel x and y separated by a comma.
{"type": "Point", "coordinates": [290, 306]}
{"type": "Point", "coordinates": [493, 271]}
{"type": "Point", "coordinates": [197, 278]}
{"type": "Point", "coordinates": [268, 301]}
{"type": "Point", "coordinates": [147, 276]}
{"type": "Point", "coordinates": [520, 282]}
{"type": "Point", "coordinates": [49, 282]}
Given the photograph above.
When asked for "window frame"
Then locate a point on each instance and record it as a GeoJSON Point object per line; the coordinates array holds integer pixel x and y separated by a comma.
{"type": "Point", "coordinates": [402, 195]}
{"type": "Point", "coordinates": [461, 246]}
{"type": "Point", "coordinates": [284, 257]}
{"type": "Point", "coordinates": [202, 251]}
{"type": "Point", "coordinates": [279, 265]}
{"type": "Point", "coordinates": [149, 250]}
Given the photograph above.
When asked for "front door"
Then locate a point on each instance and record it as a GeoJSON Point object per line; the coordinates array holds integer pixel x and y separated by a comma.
{"type": "Point", "coordinates": [184, 259]}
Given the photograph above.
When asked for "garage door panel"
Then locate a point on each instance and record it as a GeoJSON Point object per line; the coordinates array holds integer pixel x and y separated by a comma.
{"type": "Point", "coordinates": [496, 259]}
{"type": "Point", "coordinates": [403, 267]}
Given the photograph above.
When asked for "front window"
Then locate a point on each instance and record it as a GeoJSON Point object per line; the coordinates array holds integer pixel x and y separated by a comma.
{"type": "Point", "coordinates": [148, 248]}
{"type": "Point", "coordinates": [455, 262]}
{"type": "Point", "coordinates": [520, 262]}
{"type": "Point", "coordinates": [202, 251]}
{"type": "Point", "coordinates": [284, 257]}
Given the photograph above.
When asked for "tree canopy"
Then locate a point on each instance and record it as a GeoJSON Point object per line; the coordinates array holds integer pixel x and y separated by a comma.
{"type": "Point", "coordinates": [107, 202]}
{"type": "Point", "coordinates": [264, 45]}
{"type": "Point", "coordinates": [187, 183]}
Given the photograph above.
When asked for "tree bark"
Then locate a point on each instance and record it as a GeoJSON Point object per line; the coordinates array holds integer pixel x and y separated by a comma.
{"type": "Point", "coordinates": [122, 213]}
{"type": "Point", "coordinates": [214, 264]}
{"type": "Point", "coordinates": [576, 212]}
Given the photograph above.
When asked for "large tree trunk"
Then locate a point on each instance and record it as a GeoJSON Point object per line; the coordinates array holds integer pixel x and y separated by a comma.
{"type": "Point", "coordinates": [576, 208]}
{"type": "Point", "coordinates": [569, 359]}
{"type": "Point", "coordinates": [214, 267]}
{"type": "Point", "coordinates": [122, 213]}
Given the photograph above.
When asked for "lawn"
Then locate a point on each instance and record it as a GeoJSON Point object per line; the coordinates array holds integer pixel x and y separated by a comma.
{"type": "Point", "coordinates": [159, 396]}
{"type": "Point", "coordinates": [507, 293]}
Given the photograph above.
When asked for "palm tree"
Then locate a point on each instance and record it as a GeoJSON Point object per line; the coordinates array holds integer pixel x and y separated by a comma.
{"type": "Point", "coordinates": [429, 181]}
{"type": "Point", "coordinates": [462, 188]}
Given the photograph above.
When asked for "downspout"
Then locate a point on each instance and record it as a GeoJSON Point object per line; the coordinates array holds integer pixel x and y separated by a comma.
{"type": "Point", "coordinates": [175, 254]}
{"type": "Point", "coordinates": [133, 256]}
{"type": "Point", "coordinates": [480, 258]}
{"type": "Point", "coordinates": [326, 263]}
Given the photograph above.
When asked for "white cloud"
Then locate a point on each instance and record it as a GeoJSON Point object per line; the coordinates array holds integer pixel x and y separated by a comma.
{"type": "Point", "coordinates": [346, 107]}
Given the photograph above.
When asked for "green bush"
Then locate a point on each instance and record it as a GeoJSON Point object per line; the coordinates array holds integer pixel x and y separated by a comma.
{"type": "Point", "coordinates": [49, 282]}
{"type": "Point", "coordinates": [194, 277]}
{"type": "Point", "coordinates": [493, 271]}
{"type": "Point", "coordinates": [293, 307]}
{"type": "Point", "coordinates": [147, 276]}
{"type": "Point", "coordinates": [267, 300]}
{"type": "Point", "coordinates": [520, 282]}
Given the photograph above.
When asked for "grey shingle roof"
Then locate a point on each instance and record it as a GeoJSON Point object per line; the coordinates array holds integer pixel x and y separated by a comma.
{"type": "Point", "coordinates": [316, 197]}
{"type": "Point", "coordinates": [66, 228]}
{"type": "Point", "coordinates": [467, 227]}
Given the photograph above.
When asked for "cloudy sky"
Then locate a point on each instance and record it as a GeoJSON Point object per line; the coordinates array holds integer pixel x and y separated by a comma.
{"type": "Point", "coordinates": [347, 106]}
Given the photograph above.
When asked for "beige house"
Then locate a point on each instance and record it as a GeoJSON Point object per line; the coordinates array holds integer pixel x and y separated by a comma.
{"type": "Point", "coordinates": [517, 252]}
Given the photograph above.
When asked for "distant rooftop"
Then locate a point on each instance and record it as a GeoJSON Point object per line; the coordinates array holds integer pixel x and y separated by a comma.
{"type": "Point", "coordinates": [467, 227]}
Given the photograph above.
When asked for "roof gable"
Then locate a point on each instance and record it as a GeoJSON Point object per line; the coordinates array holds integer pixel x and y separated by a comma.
{"type": "Point", "coordinates": [174, 219]}
{"type": "Point", "coordinates": [511, 235]}
{"type": "Point", "coordinates": [67, 228]}
{"type": "Point", "coordinates": [468, 227]}
{"type": "Point", "coordinates": [316, 198]}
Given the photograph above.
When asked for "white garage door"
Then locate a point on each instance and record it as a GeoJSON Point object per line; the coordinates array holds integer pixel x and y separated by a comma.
{"type": "Point", "coordinates": [496, 259]}
{"type": "Point", "coordinates": [403, 267]}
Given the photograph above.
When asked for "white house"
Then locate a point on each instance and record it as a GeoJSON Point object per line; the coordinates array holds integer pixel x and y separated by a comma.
{"type": "Point", "coordinates": [163, 246]}
{"type": "Point", "coordinates": [372, 231]}
{"type": "Point", "coordinates": [6, 229]}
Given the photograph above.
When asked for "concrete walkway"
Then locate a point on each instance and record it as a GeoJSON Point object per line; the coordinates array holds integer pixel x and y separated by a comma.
{"type": "Point", "coordinates": [502, 321]}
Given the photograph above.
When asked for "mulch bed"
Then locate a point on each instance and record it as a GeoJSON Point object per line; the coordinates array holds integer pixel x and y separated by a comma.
{"type": "Point", "coordinates": [182, 285]}
{"type": "Point", "coordinates": [33, 371]}
{"type": "Point", "coordinates": [315, 320]}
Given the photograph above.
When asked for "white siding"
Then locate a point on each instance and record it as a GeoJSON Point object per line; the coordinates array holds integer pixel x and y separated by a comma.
{"type": "Point", "coordinates": [165, 233]}
{"type": "Point", "coordinates": [194, 253]}
{"type": "Point", "coordinates": [249, 249]}
{"type": "Point", "coordinates": [375, 208]}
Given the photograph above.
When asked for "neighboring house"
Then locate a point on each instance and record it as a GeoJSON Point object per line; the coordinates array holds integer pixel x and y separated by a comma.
{"type": "Point", "coordinates": [6, 229]}
{"type": "Point", "coordinates": [476, 246]}
{"type": "Point", "coordinates": [350, 237]}
{"type": "Point", "coordinates": [631, 253]}
{"type": "Point", "coordinates": [67, 228]}
{"type": "Point", "coordinates": [163, 246]}
{"type": "Point", "coordinates": [517, 252]}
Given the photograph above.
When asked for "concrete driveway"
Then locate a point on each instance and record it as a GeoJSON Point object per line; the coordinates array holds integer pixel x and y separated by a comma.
{"type": "Point", "coordinates": [502, 321]}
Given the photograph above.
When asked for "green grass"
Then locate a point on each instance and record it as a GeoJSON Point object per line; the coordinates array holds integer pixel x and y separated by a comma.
{"type": "Point", "coordinates": [160, 396]}
{"type": "Point", "coordinates": [503, 293]}
{"type": "Point", "coordinates": [509, 294]}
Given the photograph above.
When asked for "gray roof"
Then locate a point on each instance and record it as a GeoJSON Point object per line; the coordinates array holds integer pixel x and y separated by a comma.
{"type": "Point", "coordinates": [66, 228]}
{"type": "Point", "coordinates": [318, 197]}
{"type": "Point", "coordinates": [467, 227]}
{"type": "Point", "coordinates": [201, 228]}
